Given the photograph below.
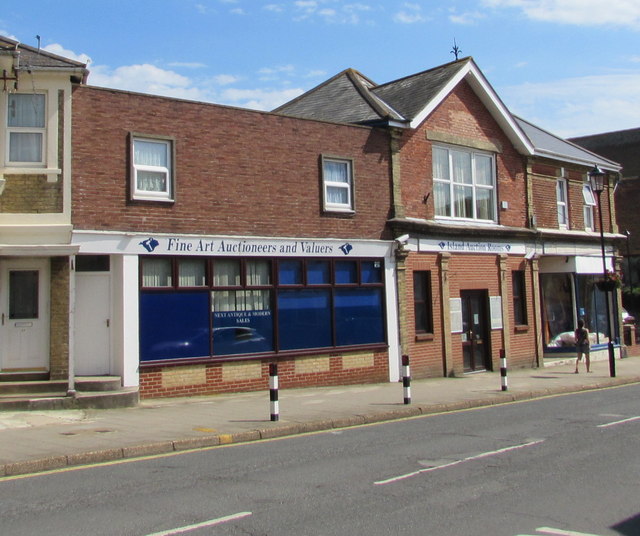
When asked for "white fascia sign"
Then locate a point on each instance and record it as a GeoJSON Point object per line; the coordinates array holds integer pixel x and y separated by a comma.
{"type": "Point", "coordinates": [161, 244]}
{"type": "Point", "coordinates": [467, 246]}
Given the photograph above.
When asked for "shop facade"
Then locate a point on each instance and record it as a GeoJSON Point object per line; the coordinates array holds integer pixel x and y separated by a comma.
{"type": "Point", "coordinates": [214, 311]}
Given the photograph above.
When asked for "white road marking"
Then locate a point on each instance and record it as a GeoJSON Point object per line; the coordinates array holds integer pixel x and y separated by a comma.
{"type": "Point", "coordinates": [209, 523]}
{"type": "Point", "coordinates": [618, 422]}
{"type": "Point", "coordinates": [457, 462]}
{"type": "Point", "coordinates": [560, 532]}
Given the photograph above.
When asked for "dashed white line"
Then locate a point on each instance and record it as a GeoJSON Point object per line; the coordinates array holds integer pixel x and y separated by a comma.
{"type": "Point", "coordinates": [457, 462]}
{"type": "Point", "coordinates": [210, 523]}
{"type": "Point", "coordinates": [614, 423]}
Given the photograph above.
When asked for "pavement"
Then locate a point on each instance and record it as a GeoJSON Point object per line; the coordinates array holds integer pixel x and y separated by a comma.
{"type": "Point", "coordinates": [36, 441]}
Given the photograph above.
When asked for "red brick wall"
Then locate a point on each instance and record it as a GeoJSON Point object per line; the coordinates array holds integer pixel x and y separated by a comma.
{"type": "Point", "coordinates": [522, 338]}
{"type": "Point", "coordinates": [426, 353]}
{"type": "Point", "coordinates": [466, 272]}
{"type": "Point", "coordinates": [151, 378]}
{"type": "Point", "coordinates": [463, 115]}
{"type": "Point", "coordinates": [238, 172]}
{"type": "Point", "coordinates": [544, 178]}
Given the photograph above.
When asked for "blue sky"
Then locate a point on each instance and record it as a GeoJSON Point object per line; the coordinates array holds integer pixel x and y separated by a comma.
{"type": "Point", "coordinates": [570, 66]}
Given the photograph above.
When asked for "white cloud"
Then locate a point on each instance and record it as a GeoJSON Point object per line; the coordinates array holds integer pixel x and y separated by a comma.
{"type": "Point", "coordinates": [578, 12]}
{"type": "Point", "coordinates": [152, 80]}
{"type": "Point", "coordinates": [328, 11]}
{"type": "Point", "coordinates": [187, 65]}
{"type": "Point", "coordinates": [410, 14]}
{"type": "Point", "coordinates": [466, 18]}
{"type": "Point", "coordinates": [278, 69]}
{"type": "Point", "coordinates": [578, 106]}
{"type": "Point", "coordinates": [55, 48]}
{"type": "Point", "coordinates": [259, 99]}
{"type": "Point", "coordinates": [277, 8]}
{"type": "Point", "coordinates": [146, 78]}
{"type": "Point", "coordinates": [225, 79]}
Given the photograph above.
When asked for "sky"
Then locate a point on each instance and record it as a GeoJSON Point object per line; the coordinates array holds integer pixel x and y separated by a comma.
{"type": "Point", "coordinates": [571, 67]}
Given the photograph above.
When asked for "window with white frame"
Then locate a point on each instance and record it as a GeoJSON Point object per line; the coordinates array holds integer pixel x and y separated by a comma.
{"type": "Point", "coordinates": [26, 128]}
{"type": "Point", "coordinates": [561, 201]}
{"type": "Point", "coordinates": [464, 184]}
{"type": "Point", "coordinates": [152, 173]}
{"type": "Point", "coordinates": [337, 184]}
{"type": "Point", "coordinates": [589, 203]}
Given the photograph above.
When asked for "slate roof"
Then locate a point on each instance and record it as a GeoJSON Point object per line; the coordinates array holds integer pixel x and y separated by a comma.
{"type": "Point", "coordinates": [34, 59]}
{"type": "Point", "coordinates": [621, 146]}
{"type": "Point", "coordinates": [408, 95]}
{"type": "Point", "coordinates": [350, 97]}
{"type": "Point", "coordinates": [552, 146]}
{"type": "Point", "coordinates": [345, 98]}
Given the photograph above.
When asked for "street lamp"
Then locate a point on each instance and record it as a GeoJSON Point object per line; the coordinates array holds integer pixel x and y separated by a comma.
{"type": "Point", "coordinates": [599, 180]}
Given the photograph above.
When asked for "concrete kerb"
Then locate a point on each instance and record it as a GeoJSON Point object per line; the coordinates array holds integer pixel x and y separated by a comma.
{"type": "Point", "coordinates": [289, 429]}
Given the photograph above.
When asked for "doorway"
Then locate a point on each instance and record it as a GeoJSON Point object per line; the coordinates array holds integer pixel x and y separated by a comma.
{"type": "Point", "coordinates": [24, 316]}
{"type": "Point", "coordinates": [92, 340]}
{"type": "Point", "coordinates": [476, 348]}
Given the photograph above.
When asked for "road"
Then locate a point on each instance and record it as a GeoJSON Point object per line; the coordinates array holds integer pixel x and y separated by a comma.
{"type": "Point", "coordinates": [563, 466]}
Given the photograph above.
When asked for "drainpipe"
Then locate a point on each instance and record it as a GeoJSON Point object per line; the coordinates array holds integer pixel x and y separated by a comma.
{"type": "Point", "coordinates": [71, 389]}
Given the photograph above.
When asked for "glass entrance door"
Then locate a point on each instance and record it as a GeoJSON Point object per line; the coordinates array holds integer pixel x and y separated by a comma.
{"type": "Point", "coordinates": [475, 338]}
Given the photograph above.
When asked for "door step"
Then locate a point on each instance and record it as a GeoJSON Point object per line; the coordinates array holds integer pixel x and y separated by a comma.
{"type": "Point", "coordinates": [101, 392]}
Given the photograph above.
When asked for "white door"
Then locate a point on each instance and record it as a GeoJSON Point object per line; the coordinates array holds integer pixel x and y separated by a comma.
{"type": "Point", "coordinates": [24, 324]}
{"type": "Point", "coordinates": [92, 324]}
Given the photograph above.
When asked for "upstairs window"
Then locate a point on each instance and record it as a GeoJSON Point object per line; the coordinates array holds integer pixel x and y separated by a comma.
{"type": "Point", "coordinates": [337, 185]}
{"type": "Point", "coordinates": [26, 128]}
{"type": "Point", "coordinates": [464, 184]}
{"type": "Point", "coordinates": [561, 201]}
{"type": "Point", "coordinates": [589, 203]}
{"type": "Point", "coordinates": [152, 173]}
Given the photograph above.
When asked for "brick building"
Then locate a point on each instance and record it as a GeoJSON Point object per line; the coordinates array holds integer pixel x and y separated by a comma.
{"type": "Point", "coordinates": [499, 246]}
{"type": "Point", "coordinates": [219, 240]}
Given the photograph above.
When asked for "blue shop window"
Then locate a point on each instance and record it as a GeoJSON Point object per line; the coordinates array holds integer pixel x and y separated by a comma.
{"type": "Point", "coordinates": [174, 325]}
{"type": "Point", "coordinates": [359, 316]}
{"type": "Point", "coordinates": [346, 272]}
{"type": "Point", "coordinates": [290, 272]}
{"type": "Point", "coordinates": [371, 271]}
{"type": "Point", "coordinates": [242, 321]}
{"type": "Point", "coordinates": [245, 332]}
{"type": "Point", "coordinates": [304, 319]}
{"type": "Point", "coordinates": [318, 272]}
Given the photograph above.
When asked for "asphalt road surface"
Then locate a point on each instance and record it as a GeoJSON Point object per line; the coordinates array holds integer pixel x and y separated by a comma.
{"type": "Point", "coordinates": [560, 466]}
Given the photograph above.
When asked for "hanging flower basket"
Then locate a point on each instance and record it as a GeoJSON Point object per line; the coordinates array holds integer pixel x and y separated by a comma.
{"type": "Point", "coordinates": [609, 283]}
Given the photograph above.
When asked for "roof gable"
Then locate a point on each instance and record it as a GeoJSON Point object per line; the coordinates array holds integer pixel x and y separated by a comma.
{"type": "Point", "coordinates": [419, 95]}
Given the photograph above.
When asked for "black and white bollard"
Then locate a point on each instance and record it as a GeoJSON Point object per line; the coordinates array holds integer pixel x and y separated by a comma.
{"type": "Point", "coordinates": [406, 379]}
{"type": "Point", "coordinates": [503, 369]}
{"type": "Point", "coordinates": [273, 391]}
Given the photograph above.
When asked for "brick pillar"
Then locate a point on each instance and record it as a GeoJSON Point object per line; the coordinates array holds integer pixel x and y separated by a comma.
{"type": "Point", "coordinates": [59, 315]}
